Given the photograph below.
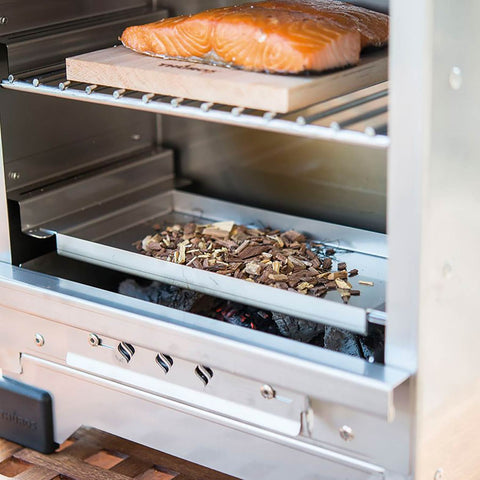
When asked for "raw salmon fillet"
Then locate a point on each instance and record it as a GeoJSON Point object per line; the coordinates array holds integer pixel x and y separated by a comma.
{"type": "Point", "coordinates": [285, 36]}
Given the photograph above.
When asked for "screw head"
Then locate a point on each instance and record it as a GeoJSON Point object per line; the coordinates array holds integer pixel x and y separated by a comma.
{"type": "Point", "coordinates": [346, 433]}
{"type": "Point", "coordinates": [93, 340]}
{"type": "Point", "coordinates": [39, 340]}
{"type": "Point", "coordinates": [455, 78]}
{"type": "Point", "coordinates": [267, 391]}
{"type": "Point", "coordinates": [13, 175]}
{"type": "Point", "coordinates": [3, 20]}
{"type": "Point", "coordinates": [439, 474]}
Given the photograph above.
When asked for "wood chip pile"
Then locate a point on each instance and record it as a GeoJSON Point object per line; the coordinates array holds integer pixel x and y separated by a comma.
{"type": "Point", "coordinates": [283, 260]}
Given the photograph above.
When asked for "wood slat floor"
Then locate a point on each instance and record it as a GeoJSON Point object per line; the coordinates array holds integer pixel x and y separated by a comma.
{"type": "Point", "coordinates": [91, 454]}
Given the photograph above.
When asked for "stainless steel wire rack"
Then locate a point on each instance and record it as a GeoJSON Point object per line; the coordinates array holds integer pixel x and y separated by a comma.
{"type": "Point", "coordinates": [360, 117]}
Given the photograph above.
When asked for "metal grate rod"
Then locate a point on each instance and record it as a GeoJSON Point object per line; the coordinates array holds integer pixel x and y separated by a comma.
{"type": "Point", "coordinates": [342, 108]}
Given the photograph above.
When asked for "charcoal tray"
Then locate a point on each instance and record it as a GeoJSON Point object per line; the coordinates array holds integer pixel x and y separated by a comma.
{"type": "Point", "coordinates": [109, 242]}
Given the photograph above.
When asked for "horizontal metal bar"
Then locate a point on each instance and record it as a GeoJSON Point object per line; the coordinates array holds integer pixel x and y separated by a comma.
{"type": "Point", "coordinates": [215, 113]}
{"type": "Point", "coordinates": [342, 108]}
{"type": "Point", "coordinates": [362, 117]}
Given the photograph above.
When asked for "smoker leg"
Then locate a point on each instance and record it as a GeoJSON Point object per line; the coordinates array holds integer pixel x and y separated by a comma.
{"type": "Point", "coordinates": [26, 415]}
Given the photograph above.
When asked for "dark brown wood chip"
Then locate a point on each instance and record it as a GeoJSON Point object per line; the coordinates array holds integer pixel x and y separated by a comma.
{"type": "Point", "coordinates": [252, 251]}
{"type": "Point", "coordinates": [327, 264]}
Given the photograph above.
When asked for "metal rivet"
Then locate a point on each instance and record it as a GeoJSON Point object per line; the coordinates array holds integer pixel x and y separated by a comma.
{"type": "Point", "coordinates": [447, 270]}
{"type": "Point", "coordinates": [455, 78]}
{"type": "Point", "coordinates": [93, 340]}
{"type": "Point", "coordinates": [136, 137]}
{"type": "Point", "coordinates": [346, 433]}
{"type": "Point", "coordinates": [267, 392]}
{"type": "Point", "coordinates": [439, 474]}
{"type": "Point", "coordinates": [39, 340]}
{"type": "Point", "coordinates": [13, 175]}
{"type": "Point", "coordinates": [3, 20]}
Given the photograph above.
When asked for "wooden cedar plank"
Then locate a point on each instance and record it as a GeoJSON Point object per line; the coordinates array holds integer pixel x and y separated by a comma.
{"type": "Point", "coordinates": [37, 473]}
{"type": "Point", "coordinates": [188, 470]}
{"type": "Point", "coordinates": [70, 466]}
{"type": "Point", "coordinates": [121, 68]}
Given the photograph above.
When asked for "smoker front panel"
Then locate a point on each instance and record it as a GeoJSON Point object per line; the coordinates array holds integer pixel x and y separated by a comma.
{"type": "Point", "coordinates": [187, 433]}
{"type": "Point", "coordinates": [303, 368]}
{"type": "Point", "coordinates": [342, 390]}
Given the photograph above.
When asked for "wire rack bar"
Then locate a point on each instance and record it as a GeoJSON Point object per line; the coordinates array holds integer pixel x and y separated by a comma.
{"type": "Point", "coordinates": [368, 128]}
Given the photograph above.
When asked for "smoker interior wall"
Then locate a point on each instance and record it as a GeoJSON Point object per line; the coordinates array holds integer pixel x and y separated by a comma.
{"type": "Point", "coordinates": [26, 14]}
{"type": "Point", "coordinates": [327, 181]}
{"type": "Point", "coordinates": [177, 7]}
{"type": "Point", "coordinates": [45, 136]}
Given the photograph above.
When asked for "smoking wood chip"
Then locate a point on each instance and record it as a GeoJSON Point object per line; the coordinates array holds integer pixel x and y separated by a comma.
{"type": "Point", "coordinates": [146, 242]}
{"type": "Point", "coordinates": [327, 264]}
{"type": "Point", "coordinates": [294, 236]}
{"type": "Point", "coordinates": [324, 275]}
{"type": "Point", "coordinates": [216, 233]}
{"type": "Point", "coordinates": [353, 272]}
{"type": "Point", "coordinates": [342, 284]}
{"type": "Point", "coordinates": [342, 266]}
{"type": "Point", "coordinates": [296, 262]}
{"type": "Point", "coordinates": [335, 275]}
{"type": "Point", "coordinates": [276, 266]}
{"type": "Point", "coordinates": [345, 295]}
{"type": "Point", "coordinates": [277, 239]}
{"type": "Point", "coordinates": [182, 247]}
{"type": "Point", "coordinates": [367, 283]}
{"type": "Point", "coordinates": [252, 251]}
{"type": "Point", "coordinates": [253, 268]}
{"type": "Point", "coordinates": [242, 247]}
{"type": "Point", "coordinates": [305, 286]}
{"type": "Point", "coordinates": [226, 226]}
{"type": "Point", "coordinates": [278, 278]}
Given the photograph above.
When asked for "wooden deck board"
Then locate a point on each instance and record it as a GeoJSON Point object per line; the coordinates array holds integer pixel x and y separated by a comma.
{"type": "Point", "coordinates": [90, 454]}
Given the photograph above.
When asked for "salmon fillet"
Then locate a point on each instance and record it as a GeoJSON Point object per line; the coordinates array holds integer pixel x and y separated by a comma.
{"type": "Point", "coordinates": [372, 26]}
{"type": "Point", "coordinates": [285, 36]}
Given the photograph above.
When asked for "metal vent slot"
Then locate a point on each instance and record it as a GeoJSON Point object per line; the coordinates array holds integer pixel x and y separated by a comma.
{"type": "Point", "coordinates": [126, 350]}
{"type": "Point", "coordinates": [205, 374]}
{"type": "Point", "coordinates": [164, 361]}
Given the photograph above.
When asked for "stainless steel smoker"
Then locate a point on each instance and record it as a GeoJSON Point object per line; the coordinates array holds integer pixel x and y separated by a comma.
{"type": "Point", "coordinates": [388, 176]}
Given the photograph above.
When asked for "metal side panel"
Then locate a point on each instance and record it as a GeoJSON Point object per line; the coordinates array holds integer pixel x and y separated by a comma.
{"type": "Point", "coordinates": [266, 359]}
